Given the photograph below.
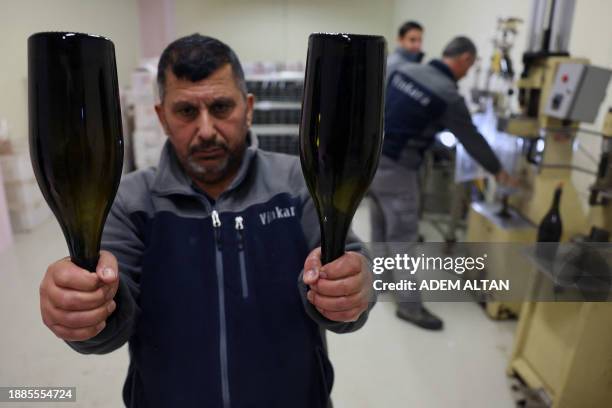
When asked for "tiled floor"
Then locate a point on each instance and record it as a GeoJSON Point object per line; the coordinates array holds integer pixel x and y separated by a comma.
{"type": "Point", "coordinates": [386, 364]}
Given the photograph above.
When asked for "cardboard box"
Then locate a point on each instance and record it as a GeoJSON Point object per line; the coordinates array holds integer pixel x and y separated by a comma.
{"type": "Point", "coordinates": [27, 219]}
{"type": "Point", "coordinates": [143, 82]}
{"type": "Point", "coordinates": [144, 138]}
{"type": "Point", "coordinates": [6, 233]}
{"type": "Point", "coordinates": [23, 195]}
{"type": "Point", "coordinates": [16, 167]}
{"type": "Point", "coordinates": [145, 117]}
{"type": "Point", "coordinates": [147, 157]}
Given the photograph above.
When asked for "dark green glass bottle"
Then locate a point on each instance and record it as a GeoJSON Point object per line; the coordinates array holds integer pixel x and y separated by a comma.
{"type": "Point", "coordinates": [76, 142]}
{"type": "Point", "coordinates": [550, 231]}
{"type": "Point", "coordinates": [551, 227]}
{"type": "Point", "coordinates": [341, 128]}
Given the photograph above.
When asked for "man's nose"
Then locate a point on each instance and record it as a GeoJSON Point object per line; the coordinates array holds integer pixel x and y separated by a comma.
{"type": "Point", "coordinates": [206, 125]}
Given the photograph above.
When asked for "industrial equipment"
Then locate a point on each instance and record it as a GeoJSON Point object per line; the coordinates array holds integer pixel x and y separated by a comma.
{"type": "Point", "coordinates": [498, 83]}
{"type": "Point", "coordinates": [556, 92]}
{"type": "Point", "coordinates": [561, 350]}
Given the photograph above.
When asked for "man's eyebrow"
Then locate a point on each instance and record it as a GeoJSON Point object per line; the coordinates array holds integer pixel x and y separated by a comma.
{"type": "Point", "coordinates": [226, 100]}
{"type": "Point", "coordinates": [183, 102]}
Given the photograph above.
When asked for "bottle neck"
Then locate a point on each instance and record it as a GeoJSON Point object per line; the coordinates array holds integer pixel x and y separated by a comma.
{"type": "Point", "coordinates": [556, 200]}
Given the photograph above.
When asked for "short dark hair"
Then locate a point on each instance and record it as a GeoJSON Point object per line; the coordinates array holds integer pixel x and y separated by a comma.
{"type": "Point", "coordinates": [459, 45]}
{"type": "Point", "coordinates": [195, 57]}
{"type": "Point", "coordinates": [408, 26]}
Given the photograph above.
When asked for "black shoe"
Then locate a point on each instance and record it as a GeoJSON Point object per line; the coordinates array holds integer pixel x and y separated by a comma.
{"type": "Point", "coordinates": [421, 317]}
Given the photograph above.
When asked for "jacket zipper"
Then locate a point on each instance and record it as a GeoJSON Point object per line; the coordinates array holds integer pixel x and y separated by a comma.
{"type": "Point", "coordinates": [240, 231]}
{"type": "Point", "coordinates": [216, 222]}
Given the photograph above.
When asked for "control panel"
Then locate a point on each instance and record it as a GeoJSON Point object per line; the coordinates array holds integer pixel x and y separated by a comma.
{"type": "Point", "coordinates": [577, 92]}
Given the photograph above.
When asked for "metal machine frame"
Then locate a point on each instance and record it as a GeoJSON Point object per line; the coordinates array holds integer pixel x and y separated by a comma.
{"type": "Point", "coordinates": [561, 350]}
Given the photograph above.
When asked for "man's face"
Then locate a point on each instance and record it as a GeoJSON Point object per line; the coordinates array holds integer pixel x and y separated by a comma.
{"type": "Point", "coordinates": [412, 40]}
{"type": "Point", "coordinates": [207, 122]}
{"type": "Point", "coordinates": [464, 63]}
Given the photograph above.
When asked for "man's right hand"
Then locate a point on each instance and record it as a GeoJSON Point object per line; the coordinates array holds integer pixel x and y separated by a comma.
{"type": "Point", "coordinates": [506, 179]}
{"type": "Point", "coordinates": [75, 303]}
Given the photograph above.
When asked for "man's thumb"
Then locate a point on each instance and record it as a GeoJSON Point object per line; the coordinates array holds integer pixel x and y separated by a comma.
{"type": "Point", "coordinates": [311, 276]}
{"type": "Point", "coordinates": [107, 269]}
{"type": "Point", "coordinates": [107, 274]}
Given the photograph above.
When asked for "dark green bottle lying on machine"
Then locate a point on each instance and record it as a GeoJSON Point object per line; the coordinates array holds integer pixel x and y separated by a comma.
{"type": "Point", "coordinates": [76, 143]}
{"type": "Point", "coordinates": [341, 128]}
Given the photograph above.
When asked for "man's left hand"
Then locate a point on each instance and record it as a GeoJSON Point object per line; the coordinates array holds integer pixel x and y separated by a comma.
{"type": "Point", "coordinates": [339, 290]}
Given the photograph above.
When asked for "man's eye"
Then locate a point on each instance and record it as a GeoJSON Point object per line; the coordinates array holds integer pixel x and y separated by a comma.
{"type": "Point", "coordinates": [187, 111]}
{"type": "Point", "coordinates": [220, 108]}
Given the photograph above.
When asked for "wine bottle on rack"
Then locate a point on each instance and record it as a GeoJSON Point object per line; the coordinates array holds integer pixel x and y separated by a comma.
{"type": "Point", "coordinates": [76, 143]}
{"type": "Point", "coordinates": [341, 128]}
{"type": "Point", "coordinates": [551, 229]}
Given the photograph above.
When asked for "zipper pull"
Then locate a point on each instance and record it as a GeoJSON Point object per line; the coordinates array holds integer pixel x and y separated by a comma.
{"type": "Point", "coordinates": [239, 225]}
{"type": "Point", "coordinates": [216, 222]}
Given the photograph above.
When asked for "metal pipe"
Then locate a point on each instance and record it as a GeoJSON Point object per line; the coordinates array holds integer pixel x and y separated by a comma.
{"type": "Point", "coordinates": [546, 35]}
{"type": "Point", "coordinates": [561, 25]}
{"type": "Point", "coordinates": [536, 24]}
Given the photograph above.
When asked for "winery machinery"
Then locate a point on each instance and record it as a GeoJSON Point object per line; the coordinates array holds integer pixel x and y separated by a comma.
{"type": "Point", "coordinates": [560, 348]}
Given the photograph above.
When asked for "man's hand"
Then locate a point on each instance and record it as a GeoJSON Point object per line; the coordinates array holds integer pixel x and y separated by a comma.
{"type": "Point", "coordinates": [340, 290]}
{"type": "Point", "coordinates": [75, 303]}
{"type": "Point", "coordinates": [506, 179]}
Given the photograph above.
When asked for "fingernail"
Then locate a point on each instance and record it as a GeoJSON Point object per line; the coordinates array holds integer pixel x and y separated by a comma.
{"type": "Point", "coordinates": [309, 295]}
{"type": "Point", "coordinates": [322, 274]}
{"type": "Point", "coordinates": [310, 274]}
{"type": "Point", "coordinates": [101, 326]}
{"type": "Point", "coordinates": [108, 273]}
{"type": "Point", "coordinates": [111, 307]}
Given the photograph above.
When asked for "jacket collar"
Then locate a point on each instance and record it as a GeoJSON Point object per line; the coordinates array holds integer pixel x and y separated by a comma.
{"type": "Point", "coordinates": [409, 56]}
{"type": "Point", "coordinates": [171, 178]}
{"type": "Point", "coordinates": [442, 67]}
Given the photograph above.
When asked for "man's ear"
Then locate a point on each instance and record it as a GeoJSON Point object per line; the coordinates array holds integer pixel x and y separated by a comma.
{"type": "Point", "coordinates": [161, 116]}
{"type": "Point", "coordinates": [250, 101]}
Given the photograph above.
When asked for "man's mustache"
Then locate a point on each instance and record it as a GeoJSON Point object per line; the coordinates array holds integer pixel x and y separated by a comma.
{"type": "Point", "coordinates": [207, 145]}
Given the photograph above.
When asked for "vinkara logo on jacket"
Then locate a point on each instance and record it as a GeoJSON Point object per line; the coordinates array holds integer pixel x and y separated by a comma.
{"type": "Point", "coordinates": [411, 90]}
{"type": "Point", "coordinates": [267, 217]}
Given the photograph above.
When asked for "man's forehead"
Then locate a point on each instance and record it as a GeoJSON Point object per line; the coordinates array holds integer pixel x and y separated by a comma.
{"type": "Point", "coordinates": [413, 33]}
{"type": "Point", "coordinates": [220, 81]}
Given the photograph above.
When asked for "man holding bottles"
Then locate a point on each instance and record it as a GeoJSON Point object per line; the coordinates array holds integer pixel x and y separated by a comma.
{"type": "Point", "coordinates": [420, 101]}
{"type": "Point", "coordinates": [199, 273]}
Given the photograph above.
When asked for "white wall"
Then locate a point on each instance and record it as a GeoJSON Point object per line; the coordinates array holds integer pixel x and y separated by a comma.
{"type": "Point", "coordinates": [277, 30]}
{"type": "Point", "coordinates": [116, 19]}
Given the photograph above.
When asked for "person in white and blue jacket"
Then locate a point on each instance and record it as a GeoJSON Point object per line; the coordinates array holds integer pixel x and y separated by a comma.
{"type": "Point", "coordinates": [421, 100]}
{"type": "Point", "coordinates": [409, 45]}
{"type": "Point", "coordinates": [210, 267]}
